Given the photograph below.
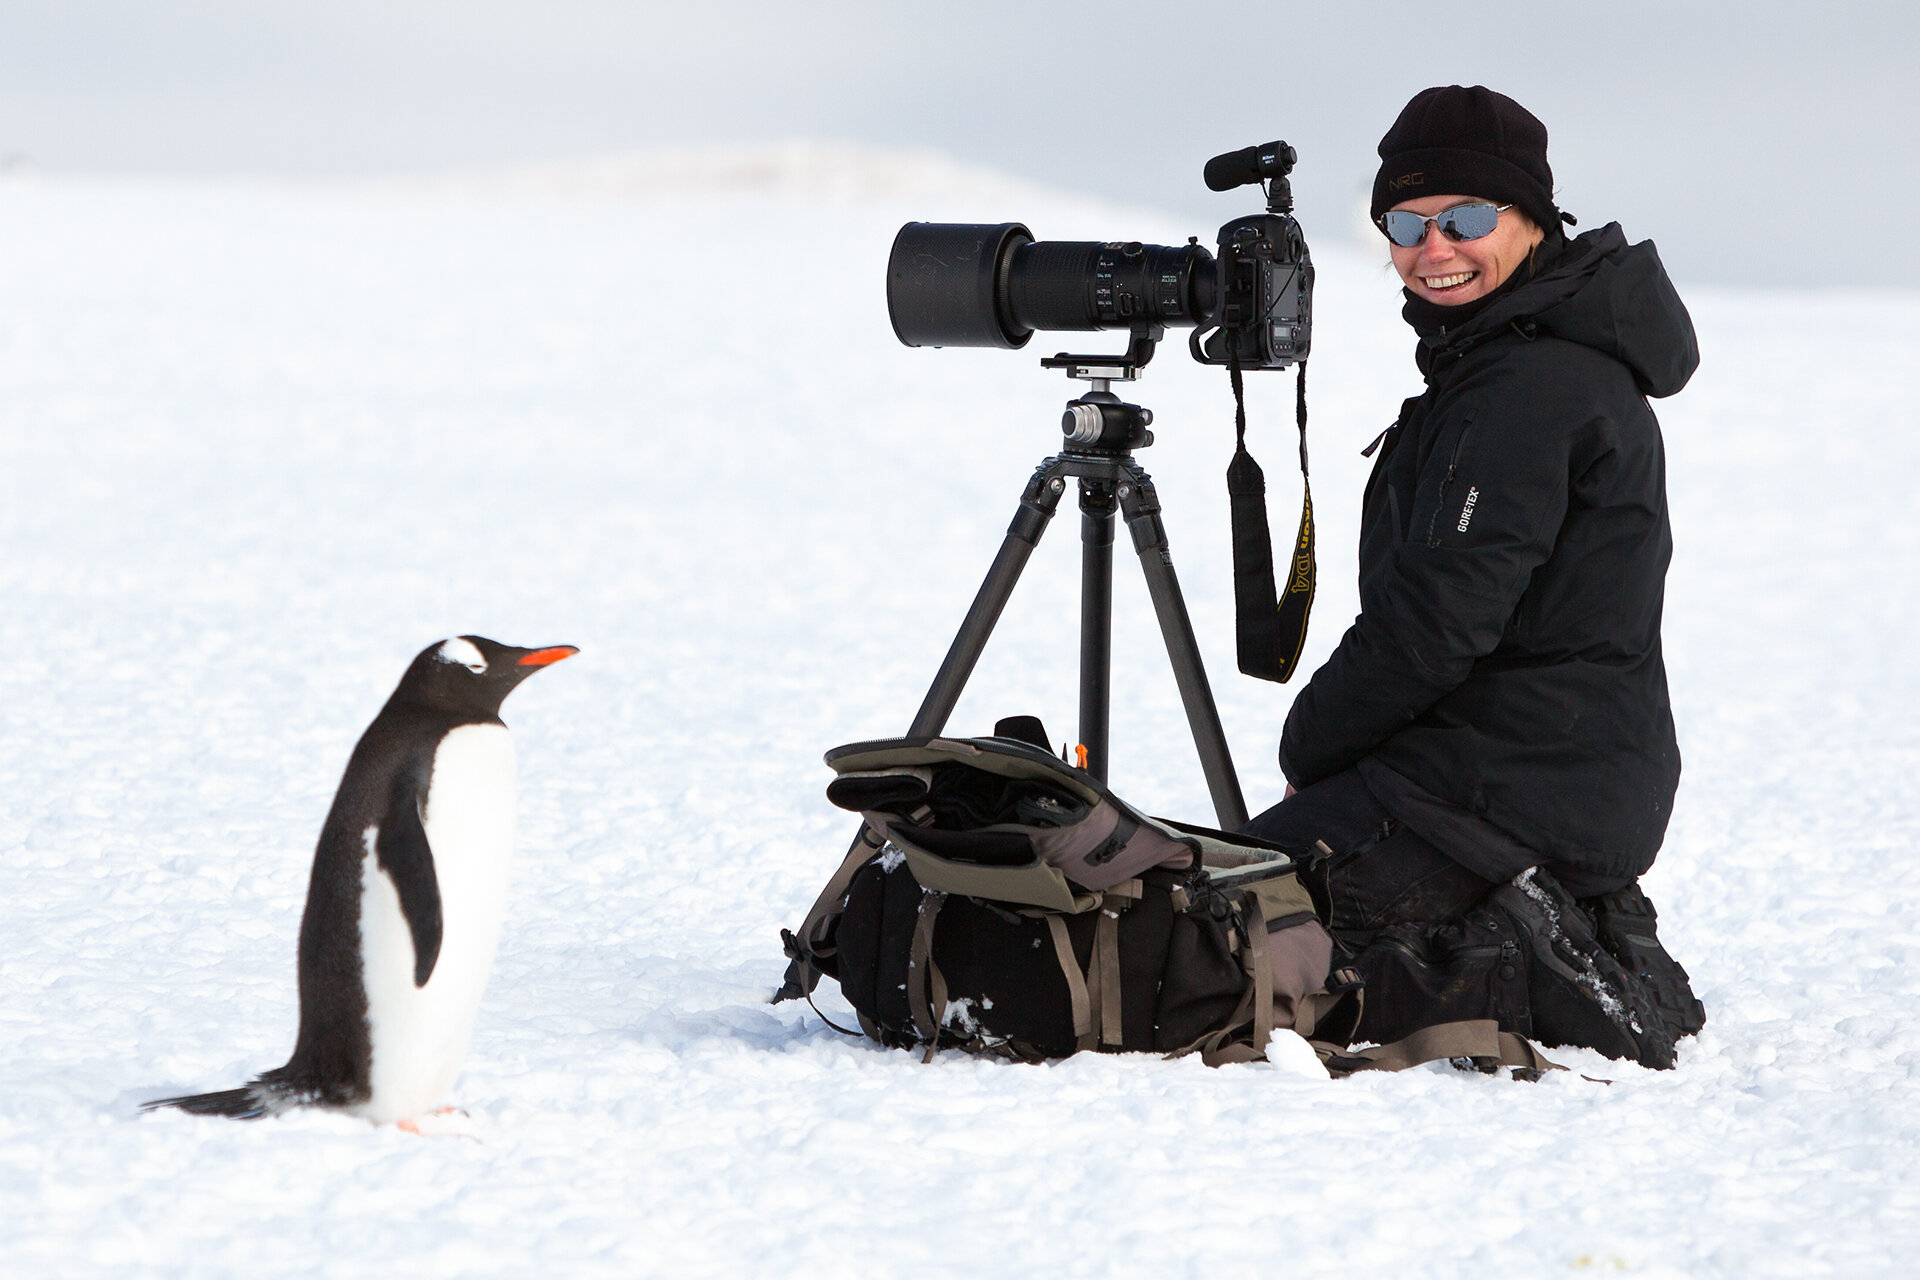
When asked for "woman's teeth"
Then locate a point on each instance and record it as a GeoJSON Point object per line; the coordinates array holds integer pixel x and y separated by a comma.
{"type": "Point", "coordinates": [1449, 282]}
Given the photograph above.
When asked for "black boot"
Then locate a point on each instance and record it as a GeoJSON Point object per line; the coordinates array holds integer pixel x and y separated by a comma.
{"type": "Point", "coordinates": [1625, 922]}
{"type": "Point", "coordinates": [1580, 994]}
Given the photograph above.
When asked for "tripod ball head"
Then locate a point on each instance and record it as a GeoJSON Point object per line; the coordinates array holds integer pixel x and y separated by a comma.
{"type": "Point", "coordinates": [1099, 422]}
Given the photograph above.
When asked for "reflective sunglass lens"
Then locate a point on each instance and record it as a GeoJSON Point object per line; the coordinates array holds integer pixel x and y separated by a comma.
{"type": "Point", "coordinates": [1470, 221]}
{"type": "Point", "coordinates": [1403, 228]}
{"type": "Point", "coordinates": [1462, 222]}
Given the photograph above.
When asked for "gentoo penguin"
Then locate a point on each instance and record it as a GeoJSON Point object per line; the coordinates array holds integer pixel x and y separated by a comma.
{"type": "Point", "coordinates": [404, 905]}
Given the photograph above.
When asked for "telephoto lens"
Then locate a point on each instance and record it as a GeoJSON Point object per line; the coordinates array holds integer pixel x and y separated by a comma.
{"type": "Point", "coordinates": [953, 284]}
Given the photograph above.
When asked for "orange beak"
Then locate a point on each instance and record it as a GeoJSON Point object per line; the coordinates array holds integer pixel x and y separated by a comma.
{"type": "Point", "coordinates": [545, 657]}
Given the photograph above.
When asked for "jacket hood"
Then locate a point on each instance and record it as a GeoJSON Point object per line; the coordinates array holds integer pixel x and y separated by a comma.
{"type": "Point", "coordinates": [1602, 293]}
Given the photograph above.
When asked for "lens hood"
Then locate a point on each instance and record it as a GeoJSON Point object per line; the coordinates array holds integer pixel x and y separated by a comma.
{"type": "Point", "coordinates": [946, 284]}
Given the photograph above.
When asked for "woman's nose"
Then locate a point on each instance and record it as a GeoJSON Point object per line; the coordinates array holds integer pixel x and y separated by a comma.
{"type": "Point", "coordinates": [1436, 246]}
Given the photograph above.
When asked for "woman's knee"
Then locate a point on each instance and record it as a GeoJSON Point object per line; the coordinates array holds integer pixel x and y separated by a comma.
{"type": "Point", "coordinates": [1338, 811]}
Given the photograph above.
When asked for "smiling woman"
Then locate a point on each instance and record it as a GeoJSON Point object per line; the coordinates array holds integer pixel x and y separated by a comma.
{"type": "Point", "coordinates": [1488, 757]}
{"type": "Point", "coordinates": [1451, 249]}
{"type": "Point", "coordinates": [1449, 264]}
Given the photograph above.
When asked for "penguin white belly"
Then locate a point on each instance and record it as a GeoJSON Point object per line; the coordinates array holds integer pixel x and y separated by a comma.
{"type": "Point", "coordinates": [419, 1035]}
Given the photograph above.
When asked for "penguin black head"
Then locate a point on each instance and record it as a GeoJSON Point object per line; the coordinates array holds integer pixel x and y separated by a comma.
{"type": "Point", "coordinates": [472, 674]}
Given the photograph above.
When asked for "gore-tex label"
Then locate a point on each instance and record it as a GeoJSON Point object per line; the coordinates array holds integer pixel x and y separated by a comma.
{"type": "Point", "coordinates": [1466, 512]}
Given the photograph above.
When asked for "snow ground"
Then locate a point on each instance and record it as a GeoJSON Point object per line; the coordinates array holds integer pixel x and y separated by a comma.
{"type": "Point", "coordinates": [259, 445]}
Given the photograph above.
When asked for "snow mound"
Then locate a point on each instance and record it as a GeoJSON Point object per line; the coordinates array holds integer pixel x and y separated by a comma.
{"type": "Point", "coordinates": [805, 170]}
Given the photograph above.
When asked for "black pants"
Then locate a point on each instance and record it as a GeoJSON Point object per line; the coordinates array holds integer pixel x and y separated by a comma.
{"type": "Point", "coordinates": [1380, 872]}
{"type": "Point", "coordinates": [1434, 943]}
{"type": "Point", "coordinates": [1419, 927]}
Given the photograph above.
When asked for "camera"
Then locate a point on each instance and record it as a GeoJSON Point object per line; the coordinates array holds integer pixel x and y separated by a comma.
{"type": "Point", "coordinates": [982, 285]}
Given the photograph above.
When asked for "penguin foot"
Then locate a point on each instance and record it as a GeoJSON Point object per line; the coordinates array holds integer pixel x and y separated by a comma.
{"type": "Point", "coordinates": [438, 1123]}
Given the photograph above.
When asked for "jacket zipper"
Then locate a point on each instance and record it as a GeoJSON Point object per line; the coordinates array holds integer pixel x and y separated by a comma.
{"type": "Point", "coordinates": [1479, 951]}
{"type": "Point", "coordinates": [1446, 481]}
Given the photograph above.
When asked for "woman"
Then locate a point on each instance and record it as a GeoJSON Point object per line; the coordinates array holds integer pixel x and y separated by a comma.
{"type": "Point", "coordinates": [1489, 753]}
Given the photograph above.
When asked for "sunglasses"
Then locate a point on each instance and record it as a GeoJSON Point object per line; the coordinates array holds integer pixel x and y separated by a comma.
{"type": "Point", "coordinates": [1462, 222]}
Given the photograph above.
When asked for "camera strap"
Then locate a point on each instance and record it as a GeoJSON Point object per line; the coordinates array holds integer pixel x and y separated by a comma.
{"type": "Point", "coordinates": [1270, 629]}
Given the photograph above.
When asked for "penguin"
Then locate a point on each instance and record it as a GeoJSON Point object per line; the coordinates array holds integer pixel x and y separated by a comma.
{"type": "Point", "coordinates": [404, 904]}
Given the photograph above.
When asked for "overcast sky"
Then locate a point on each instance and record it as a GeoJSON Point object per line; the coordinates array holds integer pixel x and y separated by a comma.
{"type": "Point", "coordinates": [1758, 142]}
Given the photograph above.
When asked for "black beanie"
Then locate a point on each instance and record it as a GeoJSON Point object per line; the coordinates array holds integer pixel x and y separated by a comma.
{"type": "Point", "coordinates": [1467, 142]}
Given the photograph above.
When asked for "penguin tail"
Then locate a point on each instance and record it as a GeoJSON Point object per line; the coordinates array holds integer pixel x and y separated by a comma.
{"type": "Point", "coordinates": [247, 1103]}
{"type": "Point", "coordinates": [267, 1094]}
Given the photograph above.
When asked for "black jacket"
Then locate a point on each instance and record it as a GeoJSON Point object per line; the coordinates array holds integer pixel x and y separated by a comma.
{"type": "Point", "coordinates": [1513, 557]}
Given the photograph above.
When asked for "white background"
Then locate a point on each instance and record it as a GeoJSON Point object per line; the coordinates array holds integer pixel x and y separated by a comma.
{"type": "Point", "coordinates": [1759, 142]}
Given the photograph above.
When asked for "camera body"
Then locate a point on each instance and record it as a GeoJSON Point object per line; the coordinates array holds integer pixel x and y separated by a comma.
{"type": "Point", "coordinates": [1264, 312]}
{"type": "Point", "coordinates": [994, 285]}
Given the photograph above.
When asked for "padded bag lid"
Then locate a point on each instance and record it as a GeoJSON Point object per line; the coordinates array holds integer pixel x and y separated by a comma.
{"type": "Point", "coordinates": [1000, 819]}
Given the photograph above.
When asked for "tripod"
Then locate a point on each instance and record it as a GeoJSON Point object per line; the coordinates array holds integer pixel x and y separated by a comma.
{"type": "Point", "coordinates": [1101, 435]}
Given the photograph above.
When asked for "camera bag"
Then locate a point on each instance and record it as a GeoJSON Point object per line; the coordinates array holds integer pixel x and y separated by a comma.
{"type": "Point", "coordinates": [1000, 901]}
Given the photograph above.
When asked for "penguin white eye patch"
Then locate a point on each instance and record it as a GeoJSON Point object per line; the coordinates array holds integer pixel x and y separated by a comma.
{"type": "Point", "coordinates": [464, 652]}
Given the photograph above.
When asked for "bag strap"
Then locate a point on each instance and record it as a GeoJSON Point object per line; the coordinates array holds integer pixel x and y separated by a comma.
{"type": "Point", "coordinates": [1104, 974]}
{"type": "Point", "coordinates": [1094, 996]}
{"type": "Point", "coordinates": [926, 986]}
{"type": "Point", "coordinates": [1481, 1040]}
{"type": "Point", "coordinates": [803, 973]}
{"type": "Point", "coordinates": [1343, 987]}
{"type": "Point", "coordinates": [1262, 967]}
{"type": "Point", "coordinates": [1083, 1028]}
{"type": "Point", "coordinates": [1269, 629]}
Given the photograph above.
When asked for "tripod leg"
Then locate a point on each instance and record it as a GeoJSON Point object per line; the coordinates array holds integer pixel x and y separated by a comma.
{"type": "Point", "coordinates": [1141, 506]}
{"type": "Point", "coordinates": [1096, 620]}
{"type": "Point", "coordinates": [1037, 504]}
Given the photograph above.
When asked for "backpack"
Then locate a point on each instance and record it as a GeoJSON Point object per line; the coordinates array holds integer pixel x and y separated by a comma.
{"type": "Point", "coordinates": [1000, 901]}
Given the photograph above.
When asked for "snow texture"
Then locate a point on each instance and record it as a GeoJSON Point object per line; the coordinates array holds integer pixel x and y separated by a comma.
{"type": "Point", "coordinates": [258, 445]}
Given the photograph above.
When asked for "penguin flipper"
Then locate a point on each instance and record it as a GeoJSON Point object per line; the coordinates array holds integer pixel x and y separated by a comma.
{"type": "Point", "coordinates": [407, 858]}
